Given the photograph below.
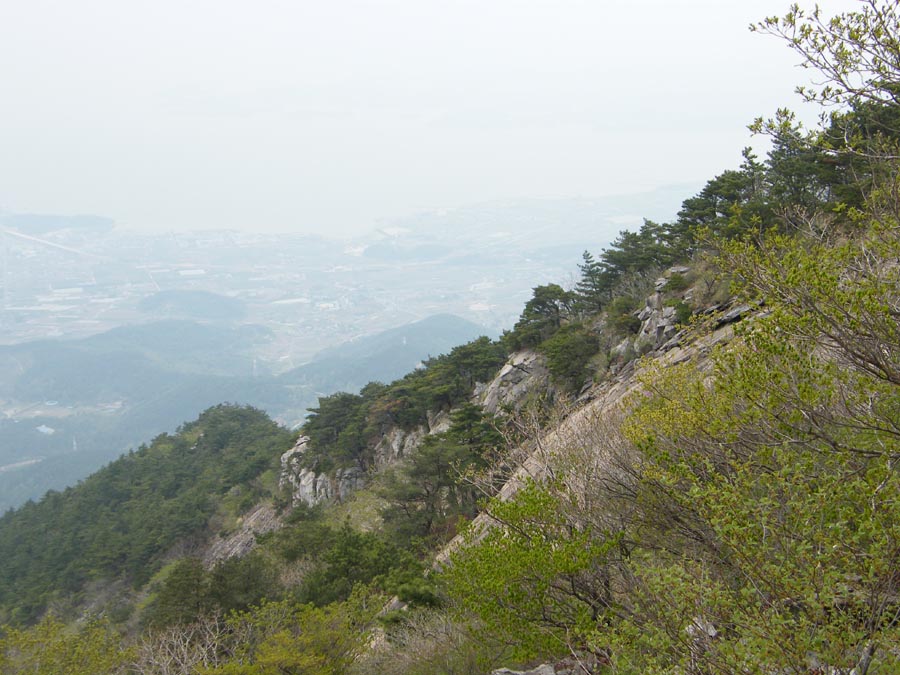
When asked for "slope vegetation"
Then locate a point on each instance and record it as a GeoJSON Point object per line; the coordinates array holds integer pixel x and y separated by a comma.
{"type": "Point", "coordinates": [121, 523]}
{"type": "Point", "coordinates": [729, 503]}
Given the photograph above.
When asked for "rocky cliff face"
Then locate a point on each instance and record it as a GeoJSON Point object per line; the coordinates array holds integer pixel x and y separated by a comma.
{"type": "Point", "coordinates": [307, 486]}
{"type": "Point", "coordinates": [659, 328]}
{"type": "Point", "coordinates": [523, 374]}
{"type": "Point", "coordinates": [259, 520]}
{"type": "Point", "coordinates": [311, 488]}
{"type": "Point", "coordinates": [398, 443]}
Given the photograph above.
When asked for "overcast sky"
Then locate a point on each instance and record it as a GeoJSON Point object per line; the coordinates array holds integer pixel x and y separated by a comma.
{"type": "Point", "coordinates": [335, 115]}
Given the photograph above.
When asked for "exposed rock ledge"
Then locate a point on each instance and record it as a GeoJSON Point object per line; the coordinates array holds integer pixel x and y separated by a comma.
{"type": "Point", "coordinates": [523, 373]}
{"type": "Point", "coordinates": [398, 443]}
{"type": "Point", "coordinates": [584, 663]}
{"type": "Point", "coordinates": [260, 520]}
{"type": "Point", "coordinates": [575, 430]}
{"type": "Point", "coordinates": [311, 488]}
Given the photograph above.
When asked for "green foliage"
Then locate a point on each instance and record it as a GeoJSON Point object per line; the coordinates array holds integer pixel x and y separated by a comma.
{"type": "Point", "coordinates": [730, 205]}
{"type": "Point", "coordinates": [321, 641]}
{"type": "Point", "coordinates": [535, 579]}
{"type": "Point", "coordinates": [336, 560]}
{"type": "Point", "coordinates": [683, 311]}
{"type": "Point", "coordinates": [568, 353]}
{"type": "Point", "coordinates": [352, 558]}
{"type": "Point", "coordinates": [304, 533]}
{"type": "Point", "coordinates": [648, 248]}
{"type": "Point", "coordinates": [183, 595]}
{"type": "Point", "coordinates": [623, 304]}
{"type": "Point", "coordinates": [51, 648]}
{"type": "Point", "coordinates": [241, 582]}
{"type": "Point", "coordinates": [274, 638]}
{"type": "Point", "coordinates": [675, 283]}
{"type": "Point", "coordinates": [324, 641]}
{"type": "Point", "coordinates": [757, 508]}
{"type": "Point", "coordinates": [594, 287]}
{"type": "Point", "coordinates": [431, 490]}
{"type": "Point", "coordinates": [544, 313]}
{"type": "Point", "coordinates": [779, 472]}
{"type": "Point", "coordinates": [339, 424]}
{"type": "Point", "coordinates": [344, 429]}
{"type": "Point", "coordinates": [620, 315]}
{"type": "Point", "coordinates": [757, 532]}
{"type": "Point", "coordinates": [188, 591]}
{"type": "Point", "coordinates": [118, 523]}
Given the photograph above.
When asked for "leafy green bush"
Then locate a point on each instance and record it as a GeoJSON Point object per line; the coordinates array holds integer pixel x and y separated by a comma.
{"type": "Point", "coordinates": [537, 581]}
{"type": "Point", "coordinates": [623, 304]}
{"type": "Point", "coordinates": [676, 282]}
{"type": "Point", "coordinates": [683, 311]}
{"type": "Point", "coordinates": [569, 353]}
{"type": "Point", "coordinates": [626, 323]}
{"type": "Point", "coordinates": [550, 306]}
{"type": "Point", "coordinates": [620, 315]}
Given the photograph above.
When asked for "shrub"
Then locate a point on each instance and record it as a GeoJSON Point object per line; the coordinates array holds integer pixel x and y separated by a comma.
{"type": "Point", "coordinates": [677, 282]}
{"type": "Point", "coordinates": [569, 352]}
{"type": "Point", "coordinates": [683, 311]}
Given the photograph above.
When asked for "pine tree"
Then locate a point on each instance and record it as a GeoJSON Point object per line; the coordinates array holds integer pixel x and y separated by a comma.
{"type": "Point", "coordinates": [594, 286]}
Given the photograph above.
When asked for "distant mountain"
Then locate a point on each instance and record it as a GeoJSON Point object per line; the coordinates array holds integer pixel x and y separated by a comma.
{"type": "Point", "coordinates": [186, 345]}
{"type": "Point", "coordinates": [125, 362]}
{"type": "Point", "coordinates": [385, 356]}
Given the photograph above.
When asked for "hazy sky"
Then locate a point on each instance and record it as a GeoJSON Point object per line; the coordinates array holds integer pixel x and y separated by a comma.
{"type": "Point", "coordinates": [336, 114]}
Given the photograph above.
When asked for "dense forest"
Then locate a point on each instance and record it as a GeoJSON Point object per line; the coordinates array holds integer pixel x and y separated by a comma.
{"type": "Point", "coordinates": [740, 514]}
{"type": "Point", "coordinates": [118, 523]}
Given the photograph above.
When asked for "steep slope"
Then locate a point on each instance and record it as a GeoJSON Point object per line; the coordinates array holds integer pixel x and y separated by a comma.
{"type": "Point", "coordinates": [587, 428]}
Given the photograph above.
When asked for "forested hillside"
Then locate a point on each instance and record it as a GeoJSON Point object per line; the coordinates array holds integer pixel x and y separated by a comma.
{"type": "Point", "coordinates": [119, 524]}
{"type": "Point", "coordinates": [705, 481]}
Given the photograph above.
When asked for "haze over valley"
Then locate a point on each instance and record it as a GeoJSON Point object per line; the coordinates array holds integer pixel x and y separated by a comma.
{"type": "Point", "coordinates": [111, 337]}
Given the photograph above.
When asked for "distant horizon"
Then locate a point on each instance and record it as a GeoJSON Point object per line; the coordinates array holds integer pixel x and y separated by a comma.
{"type": "Point", "coordinates": [336, 117]}
{"type": "Point", "coordinates": [689, 188]}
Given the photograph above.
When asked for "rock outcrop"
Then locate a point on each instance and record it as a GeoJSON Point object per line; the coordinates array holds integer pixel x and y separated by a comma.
{"type": "Point", "coordinates": [398, 443]}
{"type": "Point", "coordinates": [579, 429]}
{"type": "Point", "coordinates": [311, 488]}
{"type": "Point", "coordinates": [659, 322]}
{"type": "Point", "coordinates": [524, 373]}
{"type": "Point", "coordinates": [258, 521]}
